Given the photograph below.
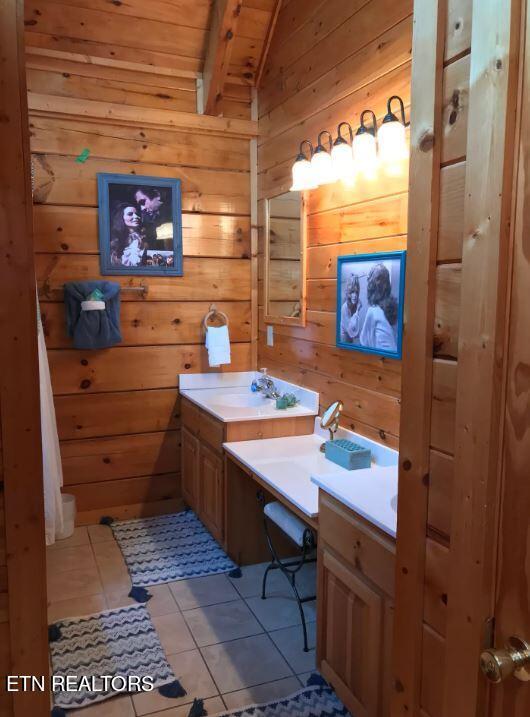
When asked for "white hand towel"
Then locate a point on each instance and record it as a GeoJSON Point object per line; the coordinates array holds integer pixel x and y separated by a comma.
{"type": "Point", "coordinates": [218, 345]}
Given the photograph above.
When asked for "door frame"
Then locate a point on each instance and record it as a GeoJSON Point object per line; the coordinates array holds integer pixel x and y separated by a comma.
{"type": "Point", "coordinates": [482, 353]}
{"type": "Point", "coordinates": [19, 379]}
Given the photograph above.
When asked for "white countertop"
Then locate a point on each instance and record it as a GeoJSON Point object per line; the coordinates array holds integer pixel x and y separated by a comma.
{"type": "Point", "coordinates": [370, 492]}
{"type": "Point", "coordinates": [296, 469]}
{"type": "Point", "coordinates": [286, 464]}
{"type": "Point", "coordinates": [228, 397]}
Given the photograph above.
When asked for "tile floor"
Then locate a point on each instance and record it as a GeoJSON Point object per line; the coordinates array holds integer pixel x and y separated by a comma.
{"type": "Point", "coordinates": [225, 644]}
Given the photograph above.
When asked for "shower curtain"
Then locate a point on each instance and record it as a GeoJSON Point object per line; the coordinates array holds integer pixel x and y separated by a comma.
{"type": "Point", "coordinates": [51, 455]}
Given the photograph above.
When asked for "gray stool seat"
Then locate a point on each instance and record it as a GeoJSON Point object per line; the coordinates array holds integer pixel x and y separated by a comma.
{"type": "Point", "coordinates": [303, 537]}
{"type": "Point", "coordinates": [288, 522]}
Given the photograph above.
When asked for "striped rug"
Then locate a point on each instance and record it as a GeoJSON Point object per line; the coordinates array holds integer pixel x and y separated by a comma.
{"type": "Point", "coordinates": [169, 548]}
{"type": "Point", "coordinates": [318, 701]}
{"type": "Point", "coordinates": [120, 643]}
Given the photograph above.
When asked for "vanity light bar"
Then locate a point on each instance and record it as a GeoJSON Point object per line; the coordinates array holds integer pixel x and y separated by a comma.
{"type": "Point", "coordinates": [363, 155]}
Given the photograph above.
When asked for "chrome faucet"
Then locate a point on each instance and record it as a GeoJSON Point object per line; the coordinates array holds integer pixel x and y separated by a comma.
{"type": "Point", "coordinates": [265, 385]}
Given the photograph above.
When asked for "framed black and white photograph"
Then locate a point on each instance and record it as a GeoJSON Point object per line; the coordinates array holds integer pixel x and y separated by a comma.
{"type": "Point", "coordinates": [370, 297]}
{"type": "Point", "coordinates": [140, 225]}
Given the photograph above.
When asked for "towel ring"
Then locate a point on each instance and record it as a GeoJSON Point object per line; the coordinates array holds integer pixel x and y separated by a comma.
{"type": "Point", "coordinates": [214, 312]}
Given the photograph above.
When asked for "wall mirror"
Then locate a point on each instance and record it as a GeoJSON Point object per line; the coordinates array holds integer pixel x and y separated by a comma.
{"type": "Point", "coordinates": [284, 274]}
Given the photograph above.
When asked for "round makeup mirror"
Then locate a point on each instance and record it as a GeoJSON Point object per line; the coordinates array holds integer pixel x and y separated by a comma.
{"type": "Point", "coordinates": [331, 414]}
{"type": "Point", "coordinates": [330, 420]}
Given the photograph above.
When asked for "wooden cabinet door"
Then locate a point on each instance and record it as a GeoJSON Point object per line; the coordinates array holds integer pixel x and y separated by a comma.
{"type": "Point", "coordinates": [350, 624]}
{"type": "Point", "coordinates": [211, 482]}
{"type": "Point", "coordinates": [190, 469]}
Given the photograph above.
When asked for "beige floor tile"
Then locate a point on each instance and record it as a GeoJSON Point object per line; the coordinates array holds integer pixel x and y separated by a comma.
{"type": "Point", "coordinates": [261, 693]}
{"type": "Point", "coordinates": [199, 592]}
{"type": "Point", "coordinates": [305, 676]}
{"type": "Point", "coordinates": [243, 663]}
{"type": "Point", "coordinates": [115, 707]}
{"type": "Point", "coordinates": [277, 612]}
{"type": "Point", "coordinates": [119, 598]}
{"type": "Point", "coordinates": [100, 533]}
{"type": "Point", "coordinates": [218, 623]}
{"type": "Point", "coordinates": [173, 633]}
{"type": "Point", "coordinates": [73, 584]}
{"type": "Point", "coordinates": [212, 707]}
{"type": "Point", "coordinates": [162, 602]}
{"type": "Point", "coordinates": [291, 644]}
{"type": "Point", "coordinates": [108, 550]}
{"type": "Point", "coordinates": [193, 674]}
{"type": "Point", "coordinates": [59, 560]}
{"type": "Point", "coordinates": [76, 607]}
{"type": "Point", "coordinates": [249, 584]}
{"type": "Point", "coordinates": [80, 537]}
{"type": "Point", "coordinates": [111, 565]}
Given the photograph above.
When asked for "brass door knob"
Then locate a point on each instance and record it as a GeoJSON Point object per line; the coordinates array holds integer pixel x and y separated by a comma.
{"type": "Point", "coordinates": [514, 660]}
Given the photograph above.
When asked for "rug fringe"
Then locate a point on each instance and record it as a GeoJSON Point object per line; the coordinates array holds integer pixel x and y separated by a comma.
{"type": "Point", "coordinates": [173, 689]}
{"type": "Point", "coordinates": [197, 709]}
{"type": "Point", "coordinates": [54, 633]}
{"type": "Point", "coordinates": [140, 594]}
{"type": "Point", "coordinates": [316, 679]}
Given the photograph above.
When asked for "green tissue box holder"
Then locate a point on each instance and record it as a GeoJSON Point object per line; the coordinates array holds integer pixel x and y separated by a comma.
{"type": "Point", "coordinates": [348, 454]}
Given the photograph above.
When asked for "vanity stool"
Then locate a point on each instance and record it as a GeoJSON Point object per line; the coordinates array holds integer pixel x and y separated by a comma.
{"type": "Point", "coordinates": [304, 538]}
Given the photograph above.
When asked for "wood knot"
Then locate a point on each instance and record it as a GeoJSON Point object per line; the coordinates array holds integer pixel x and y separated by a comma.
{"type": "Point", "coordinates": [406, 465]}
{"type": "Point", "coordinates": [187, 366]}
{"type": "Point", "coordinates": [426, 142]}
{"type": "Point", "coordinates": [84, 362]}
{"type": "Point", "coordinates": [64, 246]}
{"type": "Point", "coordinates": [86, 383]}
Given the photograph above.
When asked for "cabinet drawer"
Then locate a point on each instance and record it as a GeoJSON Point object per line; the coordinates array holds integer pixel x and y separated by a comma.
{"type": "Point", "coordinates": [364, 547]}
{"type": "Point", "coordinates": [202, 425]}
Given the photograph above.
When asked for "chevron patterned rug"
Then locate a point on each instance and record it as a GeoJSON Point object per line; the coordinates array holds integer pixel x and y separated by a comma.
{"type": "Point", "coordinates": [169, 548]}
{"type": "Point", "coordinates": [120, 643]}
{"type": "Point", "coordinates": [318, 701]}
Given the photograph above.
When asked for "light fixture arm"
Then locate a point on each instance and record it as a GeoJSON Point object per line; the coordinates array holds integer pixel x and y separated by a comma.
{"type": "Point", "coordinates": [389, 112]}
{"type": "Point", "coordinates": [301, 149]}
{"type": "Point", "coordinates": [339, 134]}
{"type": "Point", "coordinates": [330, 139]}
{"type": "Point", "coordinates": [363, 128]}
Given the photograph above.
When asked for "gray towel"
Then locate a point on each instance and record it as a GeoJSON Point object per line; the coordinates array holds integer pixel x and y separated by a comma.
{"type": "Point", "coordinates": [97, 329]}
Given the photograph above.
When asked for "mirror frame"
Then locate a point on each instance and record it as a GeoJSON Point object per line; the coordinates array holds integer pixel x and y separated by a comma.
{"type": "Point", "coordinates": [286, 320]}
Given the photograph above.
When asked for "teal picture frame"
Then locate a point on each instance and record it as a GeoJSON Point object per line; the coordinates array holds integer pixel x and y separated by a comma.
{"type": "Point", "coordinates": [373, 324]}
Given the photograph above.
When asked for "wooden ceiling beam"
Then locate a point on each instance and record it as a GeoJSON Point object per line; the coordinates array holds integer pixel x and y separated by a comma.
{"type": "Point", "coordinates": [268, 39]}
{"type": "Point", "coordinates": [225, 16]}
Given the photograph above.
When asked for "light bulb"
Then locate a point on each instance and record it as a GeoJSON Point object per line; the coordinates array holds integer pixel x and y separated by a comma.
{"type": "Point", "coordinates": [342, 158]}
{"type": "Point", "coordinates": [322, 167]}
{"type": "Point", "coordinates": [302, 175]}
{"type": "Point", "coordinates": [392, 146]}
{"type": "Point", "coordinates": [365, 154]}
{"type": "Point", "coordinates": [393, 150]}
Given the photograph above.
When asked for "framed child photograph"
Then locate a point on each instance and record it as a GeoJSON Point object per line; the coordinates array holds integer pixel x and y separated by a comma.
{"type": "Point", "coordinates": [370, 297]}
{"type": "Point", "coordinates": [140, 225]}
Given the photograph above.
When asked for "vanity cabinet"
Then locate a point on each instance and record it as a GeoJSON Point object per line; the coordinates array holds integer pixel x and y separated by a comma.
{"type": "Point", "coordinates": [190, 467]}
{"type": "Point", "coordinates": [211, 491]}
{"type": "Point", "coordinates": [202, 465]}
{"type": "Point", "coordinates": [355, 608]}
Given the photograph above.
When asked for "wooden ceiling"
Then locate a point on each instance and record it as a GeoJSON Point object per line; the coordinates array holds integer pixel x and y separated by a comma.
{"type": "Point", "coordinates": [172, 36]}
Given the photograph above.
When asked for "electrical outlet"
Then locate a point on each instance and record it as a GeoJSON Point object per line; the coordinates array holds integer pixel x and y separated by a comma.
{"type": "Point", "coordinates": [270, 335]}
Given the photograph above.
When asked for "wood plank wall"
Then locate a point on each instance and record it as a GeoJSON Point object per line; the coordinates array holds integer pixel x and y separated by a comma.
{"type": "Point", "coordinates": [118, 409]}
{"type": "Point", "coordinates": [328, 61]}
{"type": "Point", "coordinates": [445, 349]}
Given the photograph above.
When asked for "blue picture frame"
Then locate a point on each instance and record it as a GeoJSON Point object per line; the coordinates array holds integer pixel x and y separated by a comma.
{"type": "Point", "coordinates": [370, 299]}
{"type": "Point", "coordinates": [150, 245]}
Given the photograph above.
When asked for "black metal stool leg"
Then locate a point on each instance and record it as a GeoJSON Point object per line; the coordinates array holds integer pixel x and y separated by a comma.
{"type": "Point", "coordinates": [289, 569]}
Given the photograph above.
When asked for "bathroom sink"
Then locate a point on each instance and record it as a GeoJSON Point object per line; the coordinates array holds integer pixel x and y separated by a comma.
{"type": "Point", "coordinates": [241, 400]}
